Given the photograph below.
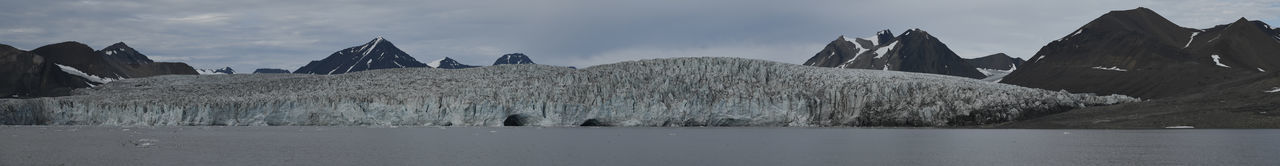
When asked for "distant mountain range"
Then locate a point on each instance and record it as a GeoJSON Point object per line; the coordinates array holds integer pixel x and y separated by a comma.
{"type": "Point", "coordinates": [225, 70]}
{"type": "Point", "coordinates": [270, 71]}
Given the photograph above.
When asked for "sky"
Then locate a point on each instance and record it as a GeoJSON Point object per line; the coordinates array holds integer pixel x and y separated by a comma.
{"type": "Point", "coordinates": [251, 34]}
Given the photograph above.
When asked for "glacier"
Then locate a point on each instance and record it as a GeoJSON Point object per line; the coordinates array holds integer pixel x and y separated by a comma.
{"type": "Point", "coordinates": [703, 91]}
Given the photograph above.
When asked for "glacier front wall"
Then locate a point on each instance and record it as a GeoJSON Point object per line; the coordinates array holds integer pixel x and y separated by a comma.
{"type": "Point", "coordinates": [662, 92]}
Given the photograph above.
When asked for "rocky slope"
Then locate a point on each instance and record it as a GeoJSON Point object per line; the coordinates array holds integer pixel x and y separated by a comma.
{"type": "Point", "coordinates": [1139, 53]}
{"type": "Point", "coordinates": [912, 51]}
{"type": "Point", "coordinates": [24, 74]}
{"type": "Point", "coordinates": [998, 61]}
{"type": "Point", "coordinates": [376, 54]}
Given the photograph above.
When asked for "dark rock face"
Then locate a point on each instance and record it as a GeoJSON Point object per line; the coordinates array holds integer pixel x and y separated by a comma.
{"type": "Point", "coordinates": [999, 61]}
{"type": "Point", "coordinates": [1139, 53]}
{"type": "Point", "coordinates": [81, 57]}
{"type": "Point", "coordinates": [269, 71]}
{"type": "Point", "coordinates": [376, 54]}
{"type": "Point", "coordinates": [448, 63]}
{"type": "Point", "coordinates": [913, 51]}
{"type": "Point", "coordinates": [24, 74]}
{"type": "Point", "coordinates": [121, 52]}
{"type": "Point", "coordinates": [123, 62]}
{"type": "Point", "coordinates": [513, 58]}
{"type": "Point", "coordinates": [53, 70]}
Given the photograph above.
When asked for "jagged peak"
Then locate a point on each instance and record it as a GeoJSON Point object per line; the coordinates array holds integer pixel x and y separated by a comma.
{"type": "Point", "coordinates": [885, 31]}
{"type": "Point", "coordinates": [841, 38]}
{"type": "Point", "coordinates": [916, 32]}
{"type": "Point", "coordinates": [119, 44]}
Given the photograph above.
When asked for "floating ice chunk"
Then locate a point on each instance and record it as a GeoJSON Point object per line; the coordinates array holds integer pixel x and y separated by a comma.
{"type": "Point", "coordinates": [144, 143]}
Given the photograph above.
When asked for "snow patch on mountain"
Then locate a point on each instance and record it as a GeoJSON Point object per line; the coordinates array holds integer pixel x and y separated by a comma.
{"type": "Point", "coordinates": [880, 52]}
{"type": "Point", "coordinates": [1193, 38]}
{"type": "Point", "coordinates": [78, 73]}
{"type": "Point", "coordinates": [436, 63]}
{"type": "Point", "coordinates": [1112, 68]}
{"type": "Point", "coordinates": [1217, 60]}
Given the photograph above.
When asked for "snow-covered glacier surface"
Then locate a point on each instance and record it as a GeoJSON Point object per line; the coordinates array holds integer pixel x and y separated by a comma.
{"type": "Point", "coordinates": [660, 92]}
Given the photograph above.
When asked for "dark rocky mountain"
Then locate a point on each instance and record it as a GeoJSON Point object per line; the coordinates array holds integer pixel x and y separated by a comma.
{"type": "Point", "coordinates": [24, 74]}
{"type": "Point", "coordinates": [912, 51]}
{"type": "Point", "coordinates": [269, 71]}
{"type": "Point", "coordinates": [134, 64]}
{"type": "Point", "coordinates": [448, 63]}
{"type": "Point", "coordinates": [123, 62]}
{"type": "Point", "coordinates": [998, 61]}
{"type": "Point", "coordinates": [224, 70]}
{"type": "Point", "coordinates": [53, 70]}
{"type": "Point", "coordinates": [1139, 53]}
{"type": "Point", "coordinates": [121, 52]}
{"type": "Point", "coordinates": [80, 57]}
{"type": "Point", "coordinates": [376, 54]}
{"type": "Point", "coordinates": [513, 58]}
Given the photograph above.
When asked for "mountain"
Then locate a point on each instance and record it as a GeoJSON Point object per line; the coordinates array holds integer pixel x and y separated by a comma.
{"type": "Point", "coordinates": [376, 54]}
{"type": "Point", "coordinates": [912, 51]}
{"type": "Point", "coordinates": [269, 71]}
{"type": "Point", "coordinates": [995, 66]}
{"type": "Point", "coordinates": [448, 63]}
{"type": "Point", "coordinates": [121, 52]}
{"type": "Point", "coordinates": [24, 74]}
{"type": "Point", "coordinates": [225, 70]}
{"type": "Point", "coordinates": [657, 92]}
{"type": "Point", "coordinates": [1140, 53]}
{"type": "Point", "coordinates": [998, 61]}
{"type": "Point", "coordinates": [134, 64]}
{"type": "Point", "coordinates": [82, 58]}
{"type": "Point", "coordinates": [63, 66]}
{"type": "Point", "coordinates": [116, 62]}
{"type": "Point", "coordinates": [513, 58]}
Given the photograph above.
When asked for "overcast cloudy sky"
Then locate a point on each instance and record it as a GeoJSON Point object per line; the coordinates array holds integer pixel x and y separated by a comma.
{"type": "Point", "coordinates": [249, 34]}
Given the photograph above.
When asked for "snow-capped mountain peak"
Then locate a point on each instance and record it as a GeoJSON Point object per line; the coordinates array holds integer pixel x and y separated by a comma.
{"type": "Point", "coordinates": [378, 53]}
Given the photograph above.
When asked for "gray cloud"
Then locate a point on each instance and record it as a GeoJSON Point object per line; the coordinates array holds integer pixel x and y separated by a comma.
{"type": "Point", "coordinates": [248, 34]}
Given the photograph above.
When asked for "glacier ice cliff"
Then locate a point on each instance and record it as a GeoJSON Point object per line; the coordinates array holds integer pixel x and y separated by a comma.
{"type": "Point", "coordinates": [659, 92]}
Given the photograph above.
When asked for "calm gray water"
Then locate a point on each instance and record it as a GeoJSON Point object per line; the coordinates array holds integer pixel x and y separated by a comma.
{"type": "Point", "coordinates": [80, 145]}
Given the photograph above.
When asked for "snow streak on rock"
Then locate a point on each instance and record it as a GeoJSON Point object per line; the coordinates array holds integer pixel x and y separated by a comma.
{"type": "Point", "coordinates": [662, 92]}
